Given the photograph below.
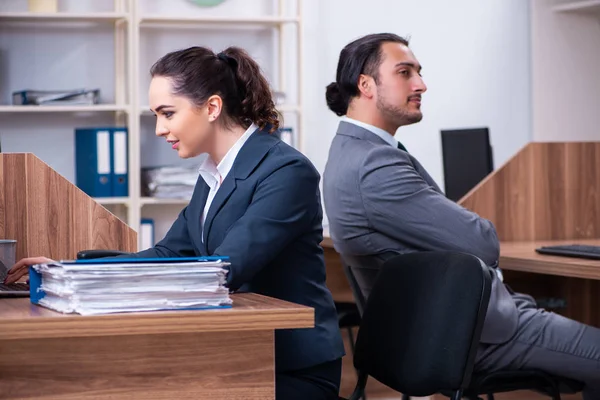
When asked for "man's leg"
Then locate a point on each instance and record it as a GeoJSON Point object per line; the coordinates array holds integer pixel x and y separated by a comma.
{"type": "Point", "coordinates": [550, 343]}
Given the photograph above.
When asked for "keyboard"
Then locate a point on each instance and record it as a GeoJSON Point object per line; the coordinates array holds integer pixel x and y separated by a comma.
{"type": "Point", "coordinates": [572, 250]}
{"type": "Point", "coordinates": [14, 287]}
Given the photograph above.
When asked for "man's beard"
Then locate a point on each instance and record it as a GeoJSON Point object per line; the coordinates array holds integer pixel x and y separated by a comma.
{"type": "Point", "coordinates": [398, 115]}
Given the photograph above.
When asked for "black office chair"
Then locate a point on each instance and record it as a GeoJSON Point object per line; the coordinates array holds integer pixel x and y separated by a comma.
{"type": "Point", "coordinates": [438, 302]}
{"type": "Point", "coordinates": [422, 322]}
{"type": "Point", "coordinates": [349, 312]}
{"type": "Point", "coordinates": [348, 318]}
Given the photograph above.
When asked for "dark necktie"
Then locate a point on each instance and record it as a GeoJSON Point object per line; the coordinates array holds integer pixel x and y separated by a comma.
{"type": "Point", "coordinates": [401, 147]}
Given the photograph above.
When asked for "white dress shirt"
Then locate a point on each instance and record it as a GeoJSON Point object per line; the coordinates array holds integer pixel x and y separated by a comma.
{"type": "Point", "coordinates": [214, 175]}
{"type": "Point", "coordinates": [371, 128]}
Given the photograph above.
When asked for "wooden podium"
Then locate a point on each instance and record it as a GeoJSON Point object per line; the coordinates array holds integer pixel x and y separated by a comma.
{"type": "Point", "coordinates": [548, 193]}
{"type": "Point", "coordinates": [51, 217]}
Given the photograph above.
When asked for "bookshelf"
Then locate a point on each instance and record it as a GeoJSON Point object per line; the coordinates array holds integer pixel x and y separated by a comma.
{"type": "Point", "coordinates": [63, 17]}
{"type": "Point", "coordinates": [111, 45]}
{"type": "Point", "coordinates": [65, 109]}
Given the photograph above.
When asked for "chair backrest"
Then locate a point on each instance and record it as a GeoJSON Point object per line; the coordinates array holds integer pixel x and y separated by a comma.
{"type": "Point", "coordinates": [422, 322]}
{"type": "Point", "coordinates": [359, 298]}
{"type": "Point", "coordinates": [364, 270]}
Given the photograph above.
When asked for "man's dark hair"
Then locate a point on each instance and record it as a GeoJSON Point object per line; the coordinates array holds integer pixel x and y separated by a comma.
{"type": "Point", "coordinates": [362, 56]}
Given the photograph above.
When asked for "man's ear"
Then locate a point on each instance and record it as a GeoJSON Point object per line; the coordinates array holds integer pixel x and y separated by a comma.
{"type": "Point", "coordinates": [214, 107]}
{"type": "Point", "coordinates": [365, 85]}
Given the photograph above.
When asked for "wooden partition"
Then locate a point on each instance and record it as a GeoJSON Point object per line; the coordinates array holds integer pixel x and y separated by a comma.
{"type": "Point", "coordinates": [49, 216]}
{"type": "Point", "coordinates": [547, 191]}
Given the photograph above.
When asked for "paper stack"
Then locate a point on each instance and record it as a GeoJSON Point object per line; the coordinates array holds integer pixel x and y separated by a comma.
{"type": "Point", "coordinates": [170, 182]}
{"type": "Point", "coordinates": [89, 287]}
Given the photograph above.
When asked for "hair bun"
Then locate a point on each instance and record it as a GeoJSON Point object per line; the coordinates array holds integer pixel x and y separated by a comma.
{"type": "Point", "coordinates": [336, 101]}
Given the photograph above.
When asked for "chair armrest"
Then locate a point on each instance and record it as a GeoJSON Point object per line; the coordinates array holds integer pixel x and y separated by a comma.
{"type": "Point", "coordinates": [91, 254]}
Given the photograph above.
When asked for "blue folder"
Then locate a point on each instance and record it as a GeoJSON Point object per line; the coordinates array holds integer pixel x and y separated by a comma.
{"type": "Point", "coordinates": [102, 162]}
{"type": "Point", "coordinates": [139, 260]}
{"type": "Point", "coordinates": [120, 167]}
{"type": "Point", "coordinates": [93, 161]}
{"type": "Point", "coordinates": [35, 278]}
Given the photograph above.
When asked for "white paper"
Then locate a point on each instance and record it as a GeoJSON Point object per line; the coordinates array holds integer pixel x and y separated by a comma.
{"type": "Point", "coordinates": [100, 288]}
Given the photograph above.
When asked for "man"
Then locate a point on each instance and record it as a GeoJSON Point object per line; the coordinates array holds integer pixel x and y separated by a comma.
{"type": "Point", "coordinates": [380, 202]}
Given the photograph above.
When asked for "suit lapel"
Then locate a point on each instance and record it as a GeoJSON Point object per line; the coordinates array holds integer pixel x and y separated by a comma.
{"type": "Point", "coordinates": [201, 193]}
{"type": "Point", "coordinates": [224, 192]}
{"type": "Point", "coordinates": [250, 156]}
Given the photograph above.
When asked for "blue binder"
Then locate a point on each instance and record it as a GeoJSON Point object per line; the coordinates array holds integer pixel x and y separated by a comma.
{"type": "Point", "coordinates": [141, 260]}
{"type": "Point", "coordinates": [120, 177]}
{"type": "Point", "coordinates": [36, 294]}
{"type": "Point", "coordinates": [146, 234]}
{"type": "Point", "coordinates": [93, 161]}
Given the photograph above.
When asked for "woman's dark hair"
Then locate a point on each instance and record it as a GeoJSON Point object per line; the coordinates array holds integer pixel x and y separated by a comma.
{"type": "Point", "coordinates": [198, 73]}
{"type": "Point", "coordinates": [362, 56]}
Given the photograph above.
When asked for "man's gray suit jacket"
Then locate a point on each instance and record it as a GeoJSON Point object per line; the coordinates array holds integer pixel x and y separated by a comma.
{"type": "Point", "coordinates": [381, 202]}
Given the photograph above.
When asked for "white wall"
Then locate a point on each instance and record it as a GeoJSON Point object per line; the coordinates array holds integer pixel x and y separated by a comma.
{"type": "Point", "coordinates": [475, 54]}
{"type": "Point", "coordinates": [476, 63]}
{"type": "Point", "coordinates": [566, 73]}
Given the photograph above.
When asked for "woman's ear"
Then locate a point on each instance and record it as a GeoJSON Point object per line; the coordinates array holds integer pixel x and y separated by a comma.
{"type": "Point", "coordinates": [214, 107]}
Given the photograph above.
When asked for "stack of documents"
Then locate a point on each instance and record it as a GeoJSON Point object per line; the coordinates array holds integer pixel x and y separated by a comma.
{"type": "Point", "coordinates": [170, 182]}
{"type": "Point", "coordinates": [90, 287]}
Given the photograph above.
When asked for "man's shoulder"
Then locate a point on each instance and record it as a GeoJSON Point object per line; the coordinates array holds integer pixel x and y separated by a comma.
{"type": "Point", "coordinates": [346, 155]}
{"type": "Point", "coordinates": [345, 147]}
{"type": "Point", "coordinates": [356, 157]}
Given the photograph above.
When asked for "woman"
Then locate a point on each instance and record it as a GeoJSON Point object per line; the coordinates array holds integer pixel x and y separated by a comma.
{"type": "Point", "coordinates": [257, 201]}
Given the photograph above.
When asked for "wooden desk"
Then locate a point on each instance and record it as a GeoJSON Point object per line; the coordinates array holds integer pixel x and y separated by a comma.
{"type": "Point", "coordinates": [514, 256]}
{"type": "Point", "coordinates": [521, 256]}
{"type": "Point", "coordinates": [208, 354]}
{"type": "Point", "coordinates": [574, 280]}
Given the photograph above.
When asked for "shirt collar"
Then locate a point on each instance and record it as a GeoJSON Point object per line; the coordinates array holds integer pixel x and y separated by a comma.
{"type": "Point", "coordinates": [371, 128]}
{"type": "Point", "coordinates": [216, 174]}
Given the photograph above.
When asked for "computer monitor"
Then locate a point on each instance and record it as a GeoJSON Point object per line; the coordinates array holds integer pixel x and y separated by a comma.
{"type": "Point", "coordinates": [467, 158]}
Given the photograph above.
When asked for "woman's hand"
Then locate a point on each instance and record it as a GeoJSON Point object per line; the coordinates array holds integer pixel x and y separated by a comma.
{"type": "Point", "coordinates": [20, 268]}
